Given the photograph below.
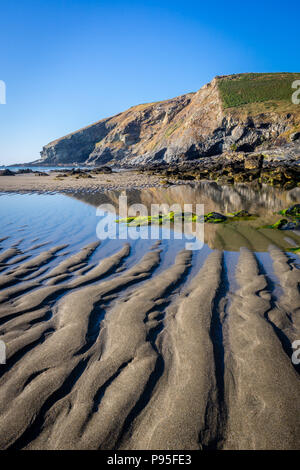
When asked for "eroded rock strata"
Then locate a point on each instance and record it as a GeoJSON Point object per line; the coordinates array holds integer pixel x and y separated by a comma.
{"type": "Point", "coordinates": [234, 113]}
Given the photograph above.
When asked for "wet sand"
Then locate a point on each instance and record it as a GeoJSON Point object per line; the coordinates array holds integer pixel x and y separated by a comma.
{"type": "Point", "coordinates": [111, 356]}
{"type": "Point", "coordinates": [55, 182]}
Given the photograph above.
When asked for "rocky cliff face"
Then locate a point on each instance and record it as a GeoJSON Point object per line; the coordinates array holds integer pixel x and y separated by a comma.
{"type": "Point", "coordinates": [230, 113]}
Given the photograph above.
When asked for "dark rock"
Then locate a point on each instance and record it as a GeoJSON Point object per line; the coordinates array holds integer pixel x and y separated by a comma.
{"type": "Point", "coordinates": [242, 177]}
{"type": "Point", "coordinates": [225, 179]}
{"type": "Point", "coordinates": [214, 218]}
{"type": "Point", "coordinates": [253, 162]}
{"type": "Point", "coordinates": [241, 213]}
{"type": "Point", "coordinates": [76, 171]}
{"type": "Point", "coordinates": [284, 224]}
{"type": "Point", "coordinates": [295, 136]}
{"type": "Point", "coordinates": [293, 211]}
{"type": "Point", "coordinates": [279, 224]}
{"type": "Point", "coordinates": [7, 172]}
{"type": "Point", "coordinates": [185, 177]}
{"type": "Point", "coordinates": [25, 171]}
{"type": "Point", "coordinates": [103, 169]}
{"type": "Point", "coordinates": [291, 226]}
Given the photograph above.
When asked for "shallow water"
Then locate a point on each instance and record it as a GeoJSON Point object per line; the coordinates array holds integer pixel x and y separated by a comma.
{"type": "Point", "coordinates": [72, 218]}
{"type": "Point", "coordinates": [264, 202]}
{"type": "Point", "coordinates": [54, 219]}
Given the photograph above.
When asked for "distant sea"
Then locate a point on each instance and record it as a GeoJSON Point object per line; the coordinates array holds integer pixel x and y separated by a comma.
{"type": "Point", "coordinates": [52, 168]}
{"type": "Point", "coordinates": [40, 168]}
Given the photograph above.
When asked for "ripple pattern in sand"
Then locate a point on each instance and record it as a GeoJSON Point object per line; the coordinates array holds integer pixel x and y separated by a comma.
{"type": "Point", "coordinates": [131, 356]}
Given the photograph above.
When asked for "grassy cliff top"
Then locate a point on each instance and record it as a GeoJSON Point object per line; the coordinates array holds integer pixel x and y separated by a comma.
{"type": "Point", "coordinates": [245, 90]}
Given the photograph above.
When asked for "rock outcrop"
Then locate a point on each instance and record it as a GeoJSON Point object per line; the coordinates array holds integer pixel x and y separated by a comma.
{"type": "Point", "coordinates": [233, 113]}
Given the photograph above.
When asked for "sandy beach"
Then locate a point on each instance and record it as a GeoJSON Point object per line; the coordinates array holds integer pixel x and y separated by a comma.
{"type": "Point", "coordinates": [115, 356]}
{"type": "Point", "coordinates": [55, 182]}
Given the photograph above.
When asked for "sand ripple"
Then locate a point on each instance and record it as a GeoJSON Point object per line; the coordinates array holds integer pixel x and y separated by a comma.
{"type": "Point", "coordinates": [107, 356]}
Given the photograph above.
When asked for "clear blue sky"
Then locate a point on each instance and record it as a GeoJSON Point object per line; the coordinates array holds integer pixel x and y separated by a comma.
{"type": "Point", "coordinates": [69, 63]}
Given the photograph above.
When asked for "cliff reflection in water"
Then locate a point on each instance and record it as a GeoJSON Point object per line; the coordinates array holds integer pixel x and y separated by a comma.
{"type": "Point", "coordinates": [264, 201]}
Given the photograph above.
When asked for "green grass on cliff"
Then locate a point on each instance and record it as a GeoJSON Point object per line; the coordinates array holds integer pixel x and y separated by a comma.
{"type": "Point", "coordinates": [245, 89]}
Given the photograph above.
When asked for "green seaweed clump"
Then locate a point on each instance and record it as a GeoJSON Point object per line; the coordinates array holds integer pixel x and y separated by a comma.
{"type": "Point", "coordinates": [159, 219]}
{"type": "Point", "coordinates": [211, 218]}
{"type": "Point", "coordinates": [144, 220]}
{"type": "Point", "coordinates": [294, 250]}
{"type": "Point", "coordinates": [293, 211]}
{"type": "Point", "coordinates": [277, 225]}
{"type": "Point", "coordinates": [214, 218]}
{"type": "Point", "coordinates": [241, 215]}
{"type": "Point", "coordinates": [186, 216]}
{"type": "Point", "coordinates": [126, 220]}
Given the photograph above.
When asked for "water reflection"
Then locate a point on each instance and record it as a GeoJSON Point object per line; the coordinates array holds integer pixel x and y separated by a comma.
{"type": "Point", "coordinates": [265, 201]}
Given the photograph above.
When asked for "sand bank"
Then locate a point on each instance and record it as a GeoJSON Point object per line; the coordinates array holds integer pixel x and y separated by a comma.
{"type": "Point", "coordinates": [54, 182]}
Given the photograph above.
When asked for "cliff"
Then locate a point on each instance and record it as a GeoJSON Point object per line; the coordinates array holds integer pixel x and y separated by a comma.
{"type": "Point", "coordinates": [232, 113]}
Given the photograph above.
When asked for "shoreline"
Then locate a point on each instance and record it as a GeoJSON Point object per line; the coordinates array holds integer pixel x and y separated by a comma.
{"type": "Point", "coordinates": [55, 182]}
{"type": "Point", "coordinates": [266, 167]}
{"type": "Point", "coordinates": [95, 182]}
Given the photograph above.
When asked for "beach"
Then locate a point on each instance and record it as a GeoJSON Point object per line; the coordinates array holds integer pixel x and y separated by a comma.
{"type": "Point", "coordinates": [149, 230]}
{"type": "Point", "coordinates": [143, 344]}
{"type": "Point", "coordinates": [121, 385]}
{"type": "Point", "coordinates": [55, 182]}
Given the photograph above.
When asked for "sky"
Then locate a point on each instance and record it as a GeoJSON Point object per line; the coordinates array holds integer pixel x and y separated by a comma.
{"type": "Point", "coordinates": [67, 64]}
